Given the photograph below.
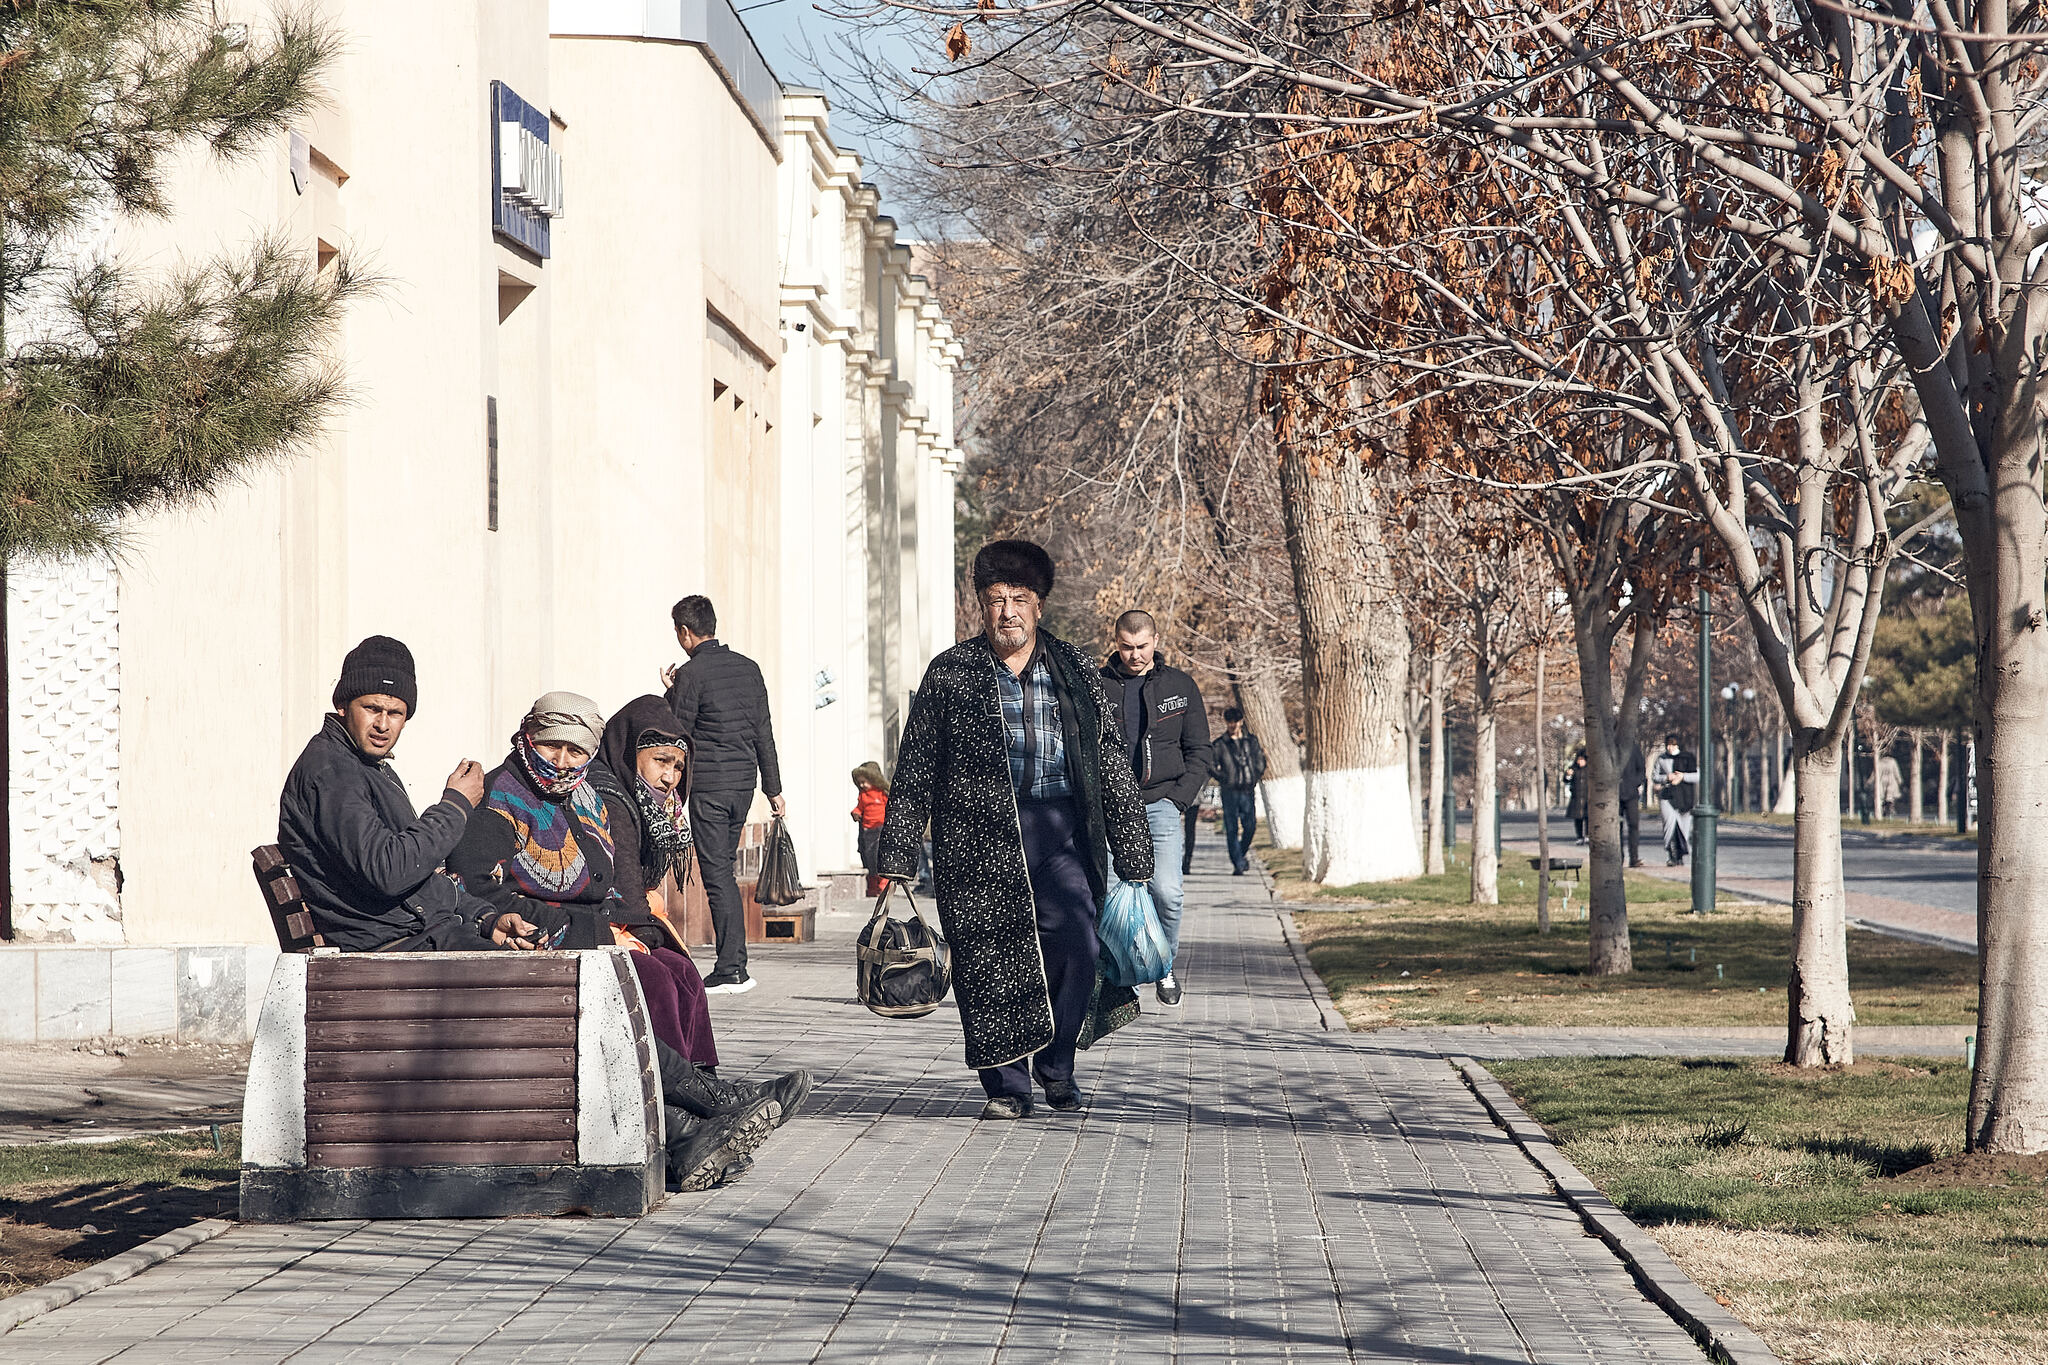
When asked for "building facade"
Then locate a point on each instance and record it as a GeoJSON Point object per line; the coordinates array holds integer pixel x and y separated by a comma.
{"type": "Point", "coordinates": [578, 396]}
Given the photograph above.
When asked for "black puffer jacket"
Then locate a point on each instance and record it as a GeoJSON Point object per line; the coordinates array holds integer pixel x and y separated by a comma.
{"type": "Point", "coordinates": [1173, 746]}
{"type": "Point", "coordinates": [369, 867]}
{"type": "Point", "coordinates": [723, 705]}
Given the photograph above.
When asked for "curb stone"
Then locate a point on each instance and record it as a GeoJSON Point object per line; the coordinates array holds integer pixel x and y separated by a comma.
{"type": "Point", "coordinates": [1326, 1009]}
{"type": "Point", "coordinates": [1720, 1333]}
{"type": "Point", "coordinates": [32, 1303]}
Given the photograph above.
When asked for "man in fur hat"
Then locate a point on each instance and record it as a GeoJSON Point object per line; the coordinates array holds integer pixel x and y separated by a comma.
{"type": "Point", "coordinates": [1012, 756]}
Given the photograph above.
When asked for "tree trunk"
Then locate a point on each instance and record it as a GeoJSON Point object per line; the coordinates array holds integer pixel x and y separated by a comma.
{"type": "Point", "coordinates": [2009, 1089]}
{"type": "Point", "coordinates": [1916, 806]}
{"type": "Point", "coordinates": [1542, 813]}
{"type": "Point", "coordinates": [1608, 952]}
{"type": "Point", "coordinates": [1818, 1013]}
{"type": "Point", "coordinates": [1485, 779]}
{"type": "Point", "coordinates": [1941, 790]}
{"type": "Point", "coordinates": [1417, 799]}
{"type": "Point", "coordinates": [1439, 765]}
{"type": "Point", "coordinates": [1265, 715]}
{"type": "Point", "coordinates": [1354, 664]}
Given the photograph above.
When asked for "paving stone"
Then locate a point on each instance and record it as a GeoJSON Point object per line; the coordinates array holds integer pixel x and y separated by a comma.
{"type": "Point", "coordinates": [1243, 1186]}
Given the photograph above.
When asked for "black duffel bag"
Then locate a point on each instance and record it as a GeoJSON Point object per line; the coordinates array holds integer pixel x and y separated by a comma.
{"type": "Point", "coordinates": [780, 882]}
{"type": "Point", "coordinates": [904, 967]}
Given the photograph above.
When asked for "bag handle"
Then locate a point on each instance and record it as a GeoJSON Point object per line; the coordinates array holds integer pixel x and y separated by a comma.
{"type": "Point", "coordinates": [890, 886]}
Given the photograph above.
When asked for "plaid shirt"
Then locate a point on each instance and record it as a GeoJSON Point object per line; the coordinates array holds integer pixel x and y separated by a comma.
{"type": "Point", "coordinates": [1031, 715]}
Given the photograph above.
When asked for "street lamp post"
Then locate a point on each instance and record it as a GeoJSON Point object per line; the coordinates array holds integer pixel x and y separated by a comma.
{"type": "Point", "coordinates": [1704, 816]}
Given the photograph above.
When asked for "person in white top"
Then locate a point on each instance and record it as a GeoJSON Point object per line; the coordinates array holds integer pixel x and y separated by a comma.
{"type": "Point", "coordinates": [1675, 778]}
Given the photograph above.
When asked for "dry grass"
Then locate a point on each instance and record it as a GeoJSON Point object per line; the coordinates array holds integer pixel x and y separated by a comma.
{"type": "Point", "coordinates": [1416, 953]}
{"type": "Point", "coordinates": [1792, 1195]}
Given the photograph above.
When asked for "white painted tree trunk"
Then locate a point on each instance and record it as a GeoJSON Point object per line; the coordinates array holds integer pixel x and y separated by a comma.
{"type": "Point", "coordinates": [1916, 804]}
{"type": "Point", "coordinates": [1485, 780]}
{"type": "Point", "coordinates": [1285, 799]}
{"type": "Point", "coordinates": [1788, 799]}
{"type": "Point", "coordinates": [1819, 1017]}
{"type": "Point", "coordinates": [1357, 826]}
{"type": "Point", "coordinates": [1941, 792]}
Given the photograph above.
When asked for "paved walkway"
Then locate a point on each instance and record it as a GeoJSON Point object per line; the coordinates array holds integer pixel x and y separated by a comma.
{"type": "Point", "coordinates": [1243, 1186]}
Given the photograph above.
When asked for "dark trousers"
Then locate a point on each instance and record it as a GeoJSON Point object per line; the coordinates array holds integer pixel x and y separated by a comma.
{"type": "Point", "coordinates": [1066, 938]}
{"type": "Point", "coordinates": [449, 933]}
{"type": "Point", "coordinates": [715, 820]}
{"type": "Point", "coordinates": [1240, 823]}
{"type": "Point", "coordinates": [1188, 818]}
{"type": "Point", "coordinates": [1631, 826]}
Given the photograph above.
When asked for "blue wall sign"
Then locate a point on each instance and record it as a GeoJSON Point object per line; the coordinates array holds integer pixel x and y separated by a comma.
{"type": "Point", "coordinates": [526, 173]}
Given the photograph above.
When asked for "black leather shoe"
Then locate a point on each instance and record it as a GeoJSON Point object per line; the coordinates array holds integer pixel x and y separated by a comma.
{"type": "Point", "coordinates": [1168, 990]}
{"type": "Point", "coordinates": [1063, 1095]}
{"type": "Point", "coordinates": [1007, 1107]}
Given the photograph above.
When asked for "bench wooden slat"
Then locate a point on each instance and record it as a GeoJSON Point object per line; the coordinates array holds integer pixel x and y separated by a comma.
{"type": "Point", "coordinates": [398, 1097]}
{"type": "Point", "coordinates": [464, 1125]}
{"type": "Point", "coordinates": [435, 971]}
{"type": "Point", "coordinates": [349, 1035]}
{"type": "Point", "coordinates": [435, 1064]}
{"type": "Point", "coordinates": [501, 1002]}
{"type": "Point", "coordinates": [343, 1155]}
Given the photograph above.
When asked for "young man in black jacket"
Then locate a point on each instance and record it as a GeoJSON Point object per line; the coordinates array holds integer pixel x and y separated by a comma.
{"type": "Point", "coordinates": [1166, 735]}
{"type": "Point", "coordinates": [1240, 762]}
{"type": "Point", "coordinates": [722, 703]}
{"type": "Point", "coordinates": [368, 867]}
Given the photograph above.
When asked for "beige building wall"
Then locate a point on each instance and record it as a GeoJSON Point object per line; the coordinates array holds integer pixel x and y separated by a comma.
{"type": "Point", "coordinates": [868, 481]}
{"type": "Point", "coordinates": [234, 616]}
{"type": "Point", "coordinates": [727, 378]}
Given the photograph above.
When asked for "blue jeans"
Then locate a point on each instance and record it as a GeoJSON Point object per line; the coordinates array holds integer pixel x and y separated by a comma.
{"type": "Point", "coordinates": [1167, 835]}
{"type": "Point", "coordinates": [1240, 823]}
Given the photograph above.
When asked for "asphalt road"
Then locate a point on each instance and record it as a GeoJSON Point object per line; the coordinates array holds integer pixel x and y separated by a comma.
{"type": "Point", "coordinates": [1895, 868]}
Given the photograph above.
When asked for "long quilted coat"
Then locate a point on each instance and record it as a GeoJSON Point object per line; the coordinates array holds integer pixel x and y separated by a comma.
{"type": "Point", "coordinates": [953, 770]}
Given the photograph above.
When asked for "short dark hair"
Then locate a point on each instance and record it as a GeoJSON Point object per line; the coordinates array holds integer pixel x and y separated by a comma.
{"type": "Point", "coordinates": [1232, 715]}
{"type": "Point", "coordinates": [1673, 739]}
{"type": "Point", "coordinates": [1019, 563]}
{"type": "Point", "coordinates": [1133, 621]}
{"type": "Point", "coordinates": [696, 615]}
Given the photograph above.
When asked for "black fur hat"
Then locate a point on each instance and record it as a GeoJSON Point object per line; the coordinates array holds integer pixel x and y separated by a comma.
{"type": "Point", "coordinates": [1019, 563]}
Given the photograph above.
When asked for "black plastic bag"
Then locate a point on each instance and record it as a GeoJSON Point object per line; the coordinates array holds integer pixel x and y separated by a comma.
{"type": "Point", "coordinates": [781, 883]}
{"type": "Point", "coordinates": [904, 967]}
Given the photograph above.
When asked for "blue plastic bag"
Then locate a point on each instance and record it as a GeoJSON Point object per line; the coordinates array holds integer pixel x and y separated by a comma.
{"type": "Point", "coordinates": [1133, 942]}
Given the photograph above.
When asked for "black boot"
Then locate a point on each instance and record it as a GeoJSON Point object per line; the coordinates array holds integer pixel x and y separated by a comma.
{"type": "Point", "coordinates": [706, 1153]}
{"type": "Point", "coordinates": [788, 1091]}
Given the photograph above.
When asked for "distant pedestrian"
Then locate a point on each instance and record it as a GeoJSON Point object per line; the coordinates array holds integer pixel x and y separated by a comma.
{"type": "Point", "coordinates": [1239, 761]}
{"type": "Point", "coordinates": [1576, 781]}
{"type": "Point", "coordinates": [1166, 734]}
{"type": "Point", "coordinates": [1890, 784]}
{"type": "Point", "coordinates": [870, 804]}
{"type": "Point", "coordinates": [1189, 818]}
{"type": "Point", "coordinates": [1633, 775]}
{"type": "Point", "coordinates": [1010, 754]}
{"type": "Point", "coordinates": [1675, 776]}
{"type": "Point", "coordinates": [722, 702]}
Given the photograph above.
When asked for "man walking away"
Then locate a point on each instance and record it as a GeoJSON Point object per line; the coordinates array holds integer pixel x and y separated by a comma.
{"type": "Point", "coordinates": [1010, 757]}
{"type": "Point", "coordinates": [722, 703]}
{"type": "Point", "coordinates": [1675, 776]}
{"type": "Point", "coordinates": [1166, 734]}
{"type": "Point", "coordinates": [1240, 763]}
{"type": "Point", "coordinates": [1632, 778]}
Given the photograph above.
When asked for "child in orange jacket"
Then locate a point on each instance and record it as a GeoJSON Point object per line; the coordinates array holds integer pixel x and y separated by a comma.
{"type": "Point", "coordinates": [868, 809]}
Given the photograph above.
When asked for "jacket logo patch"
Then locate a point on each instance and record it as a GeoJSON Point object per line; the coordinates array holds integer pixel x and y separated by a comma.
{"type": "Point", "coordinates": [1173, 704]}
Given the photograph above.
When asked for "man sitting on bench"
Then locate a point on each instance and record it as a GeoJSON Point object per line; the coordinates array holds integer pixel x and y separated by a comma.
{"type": "Point", "coordinates": [370, 869]}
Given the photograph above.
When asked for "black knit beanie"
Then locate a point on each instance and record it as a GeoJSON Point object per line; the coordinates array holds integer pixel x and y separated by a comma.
{"type": "Point", "coordinates": [379, 664]}
{"type": "Point", "coordinates": [1018, 563]}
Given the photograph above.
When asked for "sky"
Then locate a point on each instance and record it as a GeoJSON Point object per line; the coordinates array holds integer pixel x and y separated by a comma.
{"type": "Point", "coordinates": [806, 47]}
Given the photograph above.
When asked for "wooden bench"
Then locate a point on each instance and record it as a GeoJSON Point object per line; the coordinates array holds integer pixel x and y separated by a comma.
{"type": "Point", "coordinates": [452, 1085]}
{"type": "Point", "coordinates": [286, 903]}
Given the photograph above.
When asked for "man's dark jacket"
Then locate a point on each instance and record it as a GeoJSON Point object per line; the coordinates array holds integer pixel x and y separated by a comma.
{"type": "Point", "coordinates": [722, 703]}
{"type": "Point", "coordinates": [1239, 762]}
{"type": "Point", "coordinates": [1634, 775]}
{"type": "Point", "coordinates": [369, 868]}
{"type": "Point", "coordinates": [953, 774]}
{"type": "Point", "coordinates": [1173, 747]}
